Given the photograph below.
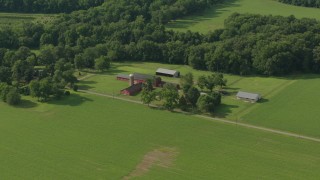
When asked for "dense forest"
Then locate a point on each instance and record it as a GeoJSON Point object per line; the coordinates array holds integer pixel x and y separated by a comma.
{"type": "Point", "coordinates": [47, 6]}
{"type": "Point", "coordinates": [134, 30]}
{"type": "Point", "coordinates": [269, 45]}
{"type": "Point", "coordinates": [116, 31]}
{"type": "Point", "coordinates": [306, 3]}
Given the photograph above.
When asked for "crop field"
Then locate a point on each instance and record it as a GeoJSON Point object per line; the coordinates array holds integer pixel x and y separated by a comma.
{"type": "Point", "coordinates": [16, 20]}
{"type": "Point", "coordinates": [90, 137]}
{"type": "Point", "coordinates": [214, 17]}
{"type": "Point", "coordinates": [288, 103]}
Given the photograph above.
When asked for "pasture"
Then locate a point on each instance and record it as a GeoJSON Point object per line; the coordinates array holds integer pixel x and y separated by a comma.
{"type": "Point", "coordinates": [281, 96]}
{"type": "Point", "coordinates": [214, 17]}
{"type": "Point", "coordinates": [16, 20]}
{"type": "Point", "coordinates": [294, 108]}
{"type": "Point", "coordinates": [90, 137]}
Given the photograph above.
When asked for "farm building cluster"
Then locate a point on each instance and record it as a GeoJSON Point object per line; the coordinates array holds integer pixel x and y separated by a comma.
{"type": "Point", "coordinates": [136, 80]}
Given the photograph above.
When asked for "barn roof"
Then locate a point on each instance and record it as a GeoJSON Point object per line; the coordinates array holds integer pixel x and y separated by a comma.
{"type": "Point", "coordinates": [166, 71]}
{"type": "Point", "coordinates": [133, 88]}
{"type": "Point", "coordinates": [142, 76]}
{"type": "Point", "coordinates": [125, 76]}
{"type": "Point", "coordinates": [248, 95]}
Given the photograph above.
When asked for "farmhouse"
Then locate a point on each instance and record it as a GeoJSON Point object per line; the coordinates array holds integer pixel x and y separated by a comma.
{"type": "Point", "coordinates": [132, 90]}
{"type": "Point", "coordinates": [167, 72]}
{"type": "Point", "coordinates": [140, 78]}
{"type": "Point", "coordinates": [252, 97]}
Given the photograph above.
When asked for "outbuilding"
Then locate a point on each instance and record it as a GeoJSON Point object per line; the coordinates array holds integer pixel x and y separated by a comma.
{"type": "Point", "coordinates": [132, 90]}
{"type": "Point", "coordinates": [167, 72]}
{"type": "Point", "coordinates": [247, 96]}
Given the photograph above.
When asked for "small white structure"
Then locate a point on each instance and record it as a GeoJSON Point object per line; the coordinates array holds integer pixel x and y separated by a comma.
{"type": "Point", "coordinates": [167, 72]}
{"type": "Point", "coordinates": [252, 97]}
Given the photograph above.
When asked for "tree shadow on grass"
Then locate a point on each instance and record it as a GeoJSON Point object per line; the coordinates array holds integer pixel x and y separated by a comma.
{"type": "Point", "coordinates": [210, 13]}
{"type": "Point", "coordinates": [230, 91]}
{"type": "Point", "coordinates": [224, 110]}
{"type": "Point", "coordinates": [110, 72]}
{"type": "Point", "coordinates": [114, 70]}
{"type": "Point", "coordinates": [26, 104]}
{"type": "Point", "coordinates": [72, 100]}
{"type": "Point", "coordinates": [86, 84]}
{"type": "Point", "coordinates": [299, 76]}
{"type": "Point", "coordinates": [262, 101]}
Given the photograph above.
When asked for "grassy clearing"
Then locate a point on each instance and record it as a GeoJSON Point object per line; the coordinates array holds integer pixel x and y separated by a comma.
{"type": "Point", "coordinates": [107, 83]}
{"type": "Point", "coordinates": [293, 109]}
{"type": "Point", "coordinates": [281, 96]}
{"type": "Point", "coordinates": [16, 20]}
{"type": "Point", "coordinates": [214, 17]}
{"type": "Point", "coordinates": [89, 137]}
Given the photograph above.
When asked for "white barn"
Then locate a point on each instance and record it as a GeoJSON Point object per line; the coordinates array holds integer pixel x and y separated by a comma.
{"type": "Point", "coordinates": [252, 97]}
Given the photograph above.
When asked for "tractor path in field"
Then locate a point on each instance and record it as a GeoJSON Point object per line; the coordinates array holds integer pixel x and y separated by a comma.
{"type": "Point", "coordinates": [274, 131]}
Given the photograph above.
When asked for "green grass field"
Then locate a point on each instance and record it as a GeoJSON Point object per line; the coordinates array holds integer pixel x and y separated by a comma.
{"type": "Point", "coordinates": [288, 103]}
{"type": "Point", "coordinates": [214, 17]}
{"type": "Point", "coordinates": [292, 109]}
{"type": "Point", "coordinates": [90, 137]}
{"type": "Point", "coordinates": [16, 20]}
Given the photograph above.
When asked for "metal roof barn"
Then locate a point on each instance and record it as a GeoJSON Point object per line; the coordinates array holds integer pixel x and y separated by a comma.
{"type": "Point", "coordinates": [167, 72]}
{"type": "Point", "coordinates": [253, 97]}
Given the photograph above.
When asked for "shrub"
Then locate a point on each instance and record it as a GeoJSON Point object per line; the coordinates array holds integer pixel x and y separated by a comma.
{"type": "Point", "coordinates": [75, 87]}
{"type": "Point", "coordinates": [67, 93]}
{"type": "Point", "coordinates": [13, 97]}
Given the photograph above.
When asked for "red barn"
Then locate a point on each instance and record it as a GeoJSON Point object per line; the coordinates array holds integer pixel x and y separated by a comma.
{"type": "Point", "coordinates": [132, 90]}
{"type": "Point", "coordinates": [141, 78]}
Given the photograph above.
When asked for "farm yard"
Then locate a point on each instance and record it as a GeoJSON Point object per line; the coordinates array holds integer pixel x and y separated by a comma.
{"type": "Point", "coordinates": [61, 139]}
{"type": "Point", "coordinates": [280, 96]}
{"type": "Point", "coordinates": [214, 17]}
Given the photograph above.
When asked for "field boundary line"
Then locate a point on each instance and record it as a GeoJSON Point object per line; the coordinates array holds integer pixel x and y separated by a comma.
{"type": "Point", "coordinates": [265, 129]}
{"type": "Point", "coordinates": [86, 77]}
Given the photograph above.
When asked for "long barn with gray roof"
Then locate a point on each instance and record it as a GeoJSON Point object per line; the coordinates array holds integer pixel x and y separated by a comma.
{"type": "Point", "coordinates": [167, 72]}
{"type": "Point", "coordinates": [247, 96]}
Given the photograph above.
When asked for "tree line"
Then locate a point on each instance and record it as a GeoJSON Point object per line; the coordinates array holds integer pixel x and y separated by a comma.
{"type": "Point", "coordinates": [123, 30]}
{"type": "Point", "coordinates": [47, 6]}
{"type": "Point", "coordinates": [305, 3]}
{"type": "Point", "coordinates": [117, 30]}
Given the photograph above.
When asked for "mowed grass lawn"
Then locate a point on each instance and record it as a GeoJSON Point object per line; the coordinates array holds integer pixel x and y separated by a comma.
{"type": "Point", "coordinates": [214, 17]}
{"type": "Point", "coordinates": [106, 82]}
{"type": "Point", "coordinates": [16, 20]}
{"type": "Point", "coordinates": [289, 103]}
{"type": "Point", "coordinates": [91, 137]}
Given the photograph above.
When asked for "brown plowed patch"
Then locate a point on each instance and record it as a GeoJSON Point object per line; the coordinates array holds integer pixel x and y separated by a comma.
{"type": "Point", "coordinates": [162, 157]}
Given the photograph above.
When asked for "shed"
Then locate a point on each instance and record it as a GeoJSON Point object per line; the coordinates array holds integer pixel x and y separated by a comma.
{"type": "Point", "coordinates": [132, 90]}
{"type": "Point", "coordinates": [167, 72]}
{"type": "Point", "coordinates": [252, 97]}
